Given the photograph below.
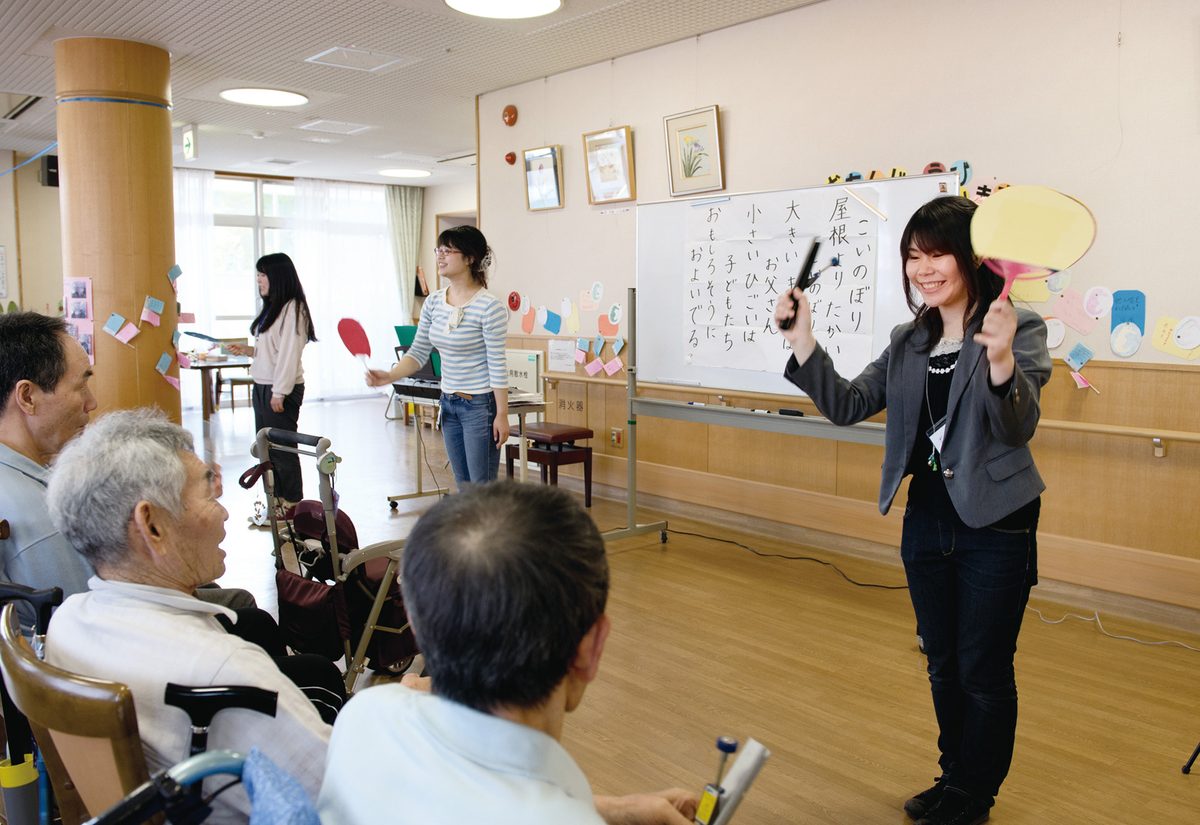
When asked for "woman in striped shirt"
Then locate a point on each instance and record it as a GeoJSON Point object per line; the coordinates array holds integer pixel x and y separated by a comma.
{"type": "Point", "coordinates": [468, 326]}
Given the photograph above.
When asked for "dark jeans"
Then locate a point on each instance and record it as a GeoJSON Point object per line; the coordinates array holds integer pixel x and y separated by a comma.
{"type": "Point", "coordinates": [969, 588]}
{"type": "Point", "coordinates": [289, 484]}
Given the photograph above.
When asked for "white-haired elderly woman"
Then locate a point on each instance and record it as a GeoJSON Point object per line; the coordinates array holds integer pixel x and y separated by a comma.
{"type": "Point", "coordinates": [132, 496]}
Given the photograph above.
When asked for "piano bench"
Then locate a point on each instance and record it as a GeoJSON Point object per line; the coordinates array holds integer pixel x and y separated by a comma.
{"type": "Point", "coordinates": [552, 446]}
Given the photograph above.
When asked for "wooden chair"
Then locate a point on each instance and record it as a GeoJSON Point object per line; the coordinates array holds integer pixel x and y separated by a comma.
{"type": "Point", "coordinates": [86, 728]}
{"type": "Point", "coordinates": [551, 446]}
{"type": "Point", "coordinates": [232, 381]}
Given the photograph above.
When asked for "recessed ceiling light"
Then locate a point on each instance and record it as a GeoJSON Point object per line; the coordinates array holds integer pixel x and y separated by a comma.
{"type": "Point", "coordinates": [264, 97]}
{"type": "Point", "coordinates": [505, 9]}
{"type": "Point", "coordinates": [404, 173]}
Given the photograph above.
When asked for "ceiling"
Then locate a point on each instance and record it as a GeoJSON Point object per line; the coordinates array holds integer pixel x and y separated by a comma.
{"type": "Point", "coordinates": [418, 112]}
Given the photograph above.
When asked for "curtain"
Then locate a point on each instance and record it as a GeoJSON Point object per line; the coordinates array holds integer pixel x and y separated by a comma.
{"type": "Point", "coordinates": [194, 243]}
{"type": "Point", "coordinates": [404, 216]}
{"type": "Point", "coordinates": [348, 269]}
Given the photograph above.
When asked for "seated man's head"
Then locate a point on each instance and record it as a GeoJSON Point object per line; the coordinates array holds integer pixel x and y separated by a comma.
{"type": "Point", "coordinates": [44, 395]}
{"type": "Point", "coordinates": [136, 501]}
{"type": "Point", "coordinates": [505, 585]}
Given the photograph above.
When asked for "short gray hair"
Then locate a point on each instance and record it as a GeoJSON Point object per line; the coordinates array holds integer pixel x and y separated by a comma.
{"type": "Point", "coordinates": [121, 459]}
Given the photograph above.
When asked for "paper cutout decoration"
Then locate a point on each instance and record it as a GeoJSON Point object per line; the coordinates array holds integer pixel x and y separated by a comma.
{"type": "Point", "coordinates": [597, 291]}
{"type": "Point", "coordinates": [1129, 305]}
{"type": "Point", "coordinates": [175, 335]}
{"type": "Point", "coordinates": [1031, 292]}
{"type": "Point", "coordinates": [1069, 307]}
{"type": "Point", "coordinates": [1079, 355]}
{"type": "Point", "coordinates": [1163, 340]}
{"type": "Point", "coordinates": [126, 334]}
{"type": "Point", "coordinates": [582, 343]}
{"type": "Point", "coordinates": [1059, 281]}
{"type": "Point", "coordinates": [173, 273]}
{"type": "Point", "coordinates": [570, 317]}
{"type": "Point", "coordinates": [114, 323]}
{"type": "Point", "coordinates": [164, 363]}
{"type": "Point", "coordinates": [1022, 229]}
{"type": "Point", "coordinates": [580, 356]}
{"type": "Point", "coordinates": [1125, 339]}
{"type": "Point", "coordinates": [150, 316]}
{"type": "Point", "coordinates": [1098, 301]}
{"type": "Point", "coordinates": [610, 323]}
{"type": "Point", "coordinates": [514, 300]}
{"type": "Point", "coordinates": [527, 320]}
{"type": "Point", "coordinates": [184, 361]}
{"type": "Point", "coordinates": [613, 367]}
{"type": "Point", "coordinates": [1056, 331]}
{"type": "Point", "coordinates": [552, 322]}
{"type": "Point", "coordinates": [172, 380]}
{"type": "Point", "coordinates": [187, 317]}
{"type": "Point", "coordinates": [1082, 383]}
{"type": "Point", "coordinates": [598, 346]}
{"type": "Point", "coordinates": [154, 305]}
{"type": "Point", "coordinates": [594, 366]}
{"type": "Point", "coordinates": [586, 304]}
{"type": "Point", "coordinates": [1187, 333]}
{"type": "Point", "coordinates": [618, 345]}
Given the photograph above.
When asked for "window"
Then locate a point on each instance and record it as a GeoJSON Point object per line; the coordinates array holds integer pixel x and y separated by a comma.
{"type": "Point", "coordinates": [253, 217]}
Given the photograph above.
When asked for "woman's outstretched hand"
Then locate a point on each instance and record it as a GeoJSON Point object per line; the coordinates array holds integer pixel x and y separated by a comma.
{"type": "Point", "coordinates": [378, 378]}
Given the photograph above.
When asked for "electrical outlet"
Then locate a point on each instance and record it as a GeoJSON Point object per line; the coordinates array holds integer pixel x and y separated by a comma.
{"type": "Point", "coordinates": [616, 436]}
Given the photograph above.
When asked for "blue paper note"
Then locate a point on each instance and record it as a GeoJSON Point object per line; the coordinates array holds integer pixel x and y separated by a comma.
{"type": "Point", "coordinates": [618, 345]}
{"type": "Point", "coordinates": [1129, 305]}
{"type": "Point", "coordinates": [175, 339]}
{"type": "Point", "coordinates": [582, 343]}
{"type": "Point", "coordinates": [1079, 355]}
{"type": "Point", "coordinates": [174, 272]}
{"type": "Point", "coordinates": [114, 323]}
{"type": "Point", "coordinates": [164, 363]}
{"type": "Point", "coordinates": [154, 305]}
{"type": "Point", "coordinates": [599, 344]}
{"type": "Point", "coordinates": [553, 322]}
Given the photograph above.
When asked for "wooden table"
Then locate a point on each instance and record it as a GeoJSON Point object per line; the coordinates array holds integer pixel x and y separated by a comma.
{"type": "Point", "coordinates": [205, 369]}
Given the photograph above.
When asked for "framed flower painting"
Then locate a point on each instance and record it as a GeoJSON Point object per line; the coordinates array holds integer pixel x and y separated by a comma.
{"type": "Point", "coordinates": [694, 151]}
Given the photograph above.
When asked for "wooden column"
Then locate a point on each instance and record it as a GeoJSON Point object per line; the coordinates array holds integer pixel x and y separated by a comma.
{"type": "Point", "coordinates": [116, 194]}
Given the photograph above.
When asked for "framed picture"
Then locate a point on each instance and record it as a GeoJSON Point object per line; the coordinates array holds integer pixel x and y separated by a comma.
{"type": "Point", "coordinates": [609, 158]}
{"type": "Point", "coordinates": [543, 178]}
{"type": "Point", "coordinates": [694, 151]}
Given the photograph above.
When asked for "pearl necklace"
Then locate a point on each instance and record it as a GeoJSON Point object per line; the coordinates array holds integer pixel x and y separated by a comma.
{"type": "Point", "coordinates": [945, 347]}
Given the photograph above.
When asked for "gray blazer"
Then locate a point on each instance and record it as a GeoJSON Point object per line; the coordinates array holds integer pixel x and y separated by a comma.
{"type": "Point", "coordinates": [985, 457]}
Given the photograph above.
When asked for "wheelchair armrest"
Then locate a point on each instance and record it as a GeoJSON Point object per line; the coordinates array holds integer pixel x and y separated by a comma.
{"type": "Point", "coordinates": [42, 601]}
{"type": "Point", "coordinates": [201, 704]}
{"type": "Point", "coordinates": [393, 549]}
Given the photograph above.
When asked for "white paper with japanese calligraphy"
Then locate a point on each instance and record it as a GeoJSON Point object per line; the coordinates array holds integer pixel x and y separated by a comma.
{"type": "Point", "coordinates": [710, 271]}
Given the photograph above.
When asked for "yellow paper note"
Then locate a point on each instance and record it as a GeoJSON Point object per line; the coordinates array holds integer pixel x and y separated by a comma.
{"type": "Point", "coordinates": [1163, 340]}
{"type": "Point", "coordinates": [1031, 292]}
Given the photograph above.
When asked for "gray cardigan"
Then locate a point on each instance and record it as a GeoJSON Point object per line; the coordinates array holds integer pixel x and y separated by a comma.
{"type": "Point", "coordinates": [985, 457]}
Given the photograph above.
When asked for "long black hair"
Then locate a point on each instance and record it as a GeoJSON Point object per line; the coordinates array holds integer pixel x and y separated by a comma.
{"type": "Point", "coordinates": [944, 225]}
{"type": "Point", "coordinates": [470, 242]}
{"type": "Point", "coordinates": [283, 285]}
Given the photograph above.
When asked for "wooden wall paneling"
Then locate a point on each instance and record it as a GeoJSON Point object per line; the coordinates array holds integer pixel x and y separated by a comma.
{"type": "Point", "coordinates": [673, 443]}
{"type": "Point", "coordinates": [856, 469]}
{"type": "Point", "coordinates": [774, 458]}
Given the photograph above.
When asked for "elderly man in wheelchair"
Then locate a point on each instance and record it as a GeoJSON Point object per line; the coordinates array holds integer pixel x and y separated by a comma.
{"type": "Point", "coordinates": [131, 496]}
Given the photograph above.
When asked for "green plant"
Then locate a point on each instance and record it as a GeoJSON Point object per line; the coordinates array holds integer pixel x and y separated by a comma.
{"type": "Point", "coordinates": [691, 157]}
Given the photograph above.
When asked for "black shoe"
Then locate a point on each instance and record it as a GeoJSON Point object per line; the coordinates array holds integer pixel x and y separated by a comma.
{"type": "Point", "coordinates": [956, 808]}
{"type": "Point", "coordinates": [924, 802]}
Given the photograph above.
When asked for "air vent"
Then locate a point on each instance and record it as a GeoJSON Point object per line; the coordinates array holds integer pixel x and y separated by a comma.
{"type": "Point", "coordinates": [359, 60]}
{"type": "Point", "coordinates": [278, 161]}
{"type": "Point", "coordinates": [459, 160]}
{"type": "Point", "coordinates": [15, 104]}
{"type": "Point", "coordinates": [334, 127]}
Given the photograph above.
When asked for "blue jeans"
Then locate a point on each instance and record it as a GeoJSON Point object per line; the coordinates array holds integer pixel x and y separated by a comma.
{"type": "Point", "coordinates": [969, 588]}
{"type": "Point", "coordinates": [467, 431]}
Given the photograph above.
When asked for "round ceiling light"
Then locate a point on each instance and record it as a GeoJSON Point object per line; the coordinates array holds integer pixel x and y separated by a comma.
{"type": "Point", "coordinates": [405, 173]}
{"type": "Point", "coordinates": [505, 9]}
{"type": "Point", "coordinates": [264, 97]}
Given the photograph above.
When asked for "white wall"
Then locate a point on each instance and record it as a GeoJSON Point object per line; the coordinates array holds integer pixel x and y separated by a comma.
{"type": "Point", "coordinates": [40, 225]}
{"type": "Point", "coordinates": [440, 200]}
{"type": "Point", "coordinates": [1026, 91]}
{"type": "Point", "coordinates": [8, 227]}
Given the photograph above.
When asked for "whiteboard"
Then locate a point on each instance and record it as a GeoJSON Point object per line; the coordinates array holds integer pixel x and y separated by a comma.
{"type": "Point", "coordinates": [709, 269]}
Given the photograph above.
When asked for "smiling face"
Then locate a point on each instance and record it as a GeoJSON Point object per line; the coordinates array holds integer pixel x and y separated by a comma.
{"type": "Point", "coordinates": [452, 263]}
{"type": "Point", "coordinates": [937, 278]}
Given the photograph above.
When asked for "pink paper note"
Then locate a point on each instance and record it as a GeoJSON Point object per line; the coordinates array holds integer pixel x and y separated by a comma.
{"type": "Point", "coordinates": [126, 334]}
{"type": "Point", "coordinates": [187, 317]}
{"type": "Point", "coordinates": [594, 366]}
{"type": "Point", "coordinates": [151, 317]}
{"type": "Point", "coordinates": [579, 356]}
{"type": "Point", "coordinates": [1082, 383]}
{"type": "Point", "coordinates": [613, 366]}
{"type": "Point", "coordinates": [172, 380]}
{"type": "Point", "coordinates": [184, 361]}
{"type": "Point", "coordinates": [1069, 309]}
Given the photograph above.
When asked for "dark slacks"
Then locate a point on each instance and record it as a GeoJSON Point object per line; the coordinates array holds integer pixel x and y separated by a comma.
{"type": "Point", "coordinates": [288, 482]}
{"type": "Point", "coordinates": [969, 588]}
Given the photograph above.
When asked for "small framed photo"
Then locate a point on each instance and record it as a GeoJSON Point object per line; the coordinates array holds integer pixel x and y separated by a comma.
{"type": "Point", "coordinates": [608, 154]}
{"type": "Point", "coordinates": [543, 178]}
{"type": "Point", "coordinates": [694, 151]}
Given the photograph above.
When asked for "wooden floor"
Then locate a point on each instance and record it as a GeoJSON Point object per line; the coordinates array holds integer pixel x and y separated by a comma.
{"type": "Point", "coordinates": [709, 639]}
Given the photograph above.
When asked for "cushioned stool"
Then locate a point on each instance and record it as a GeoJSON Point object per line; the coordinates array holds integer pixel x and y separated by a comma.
{"type": "Point", "coordinates": [551, 446]}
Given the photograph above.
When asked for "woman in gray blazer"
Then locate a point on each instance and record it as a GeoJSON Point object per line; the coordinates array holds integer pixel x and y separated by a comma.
{"type": "Point", "coordinates": [961, 384]}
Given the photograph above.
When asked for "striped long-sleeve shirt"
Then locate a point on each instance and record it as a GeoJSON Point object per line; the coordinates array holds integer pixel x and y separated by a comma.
{"type": "Point", "coordinates": [471, 346]}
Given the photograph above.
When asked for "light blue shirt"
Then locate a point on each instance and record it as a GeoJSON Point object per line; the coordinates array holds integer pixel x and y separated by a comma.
{"type": "Point", "coordinates": [408, 756]}
{"type": "Point", "coordinates": [470, 339]}
{"type": "Point", "coordinates": [35, 554]}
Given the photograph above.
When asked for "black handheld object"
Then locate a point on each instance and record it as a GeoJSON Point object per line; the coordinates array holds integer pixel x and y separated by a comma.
{"type": "Point", "coordinates": [804, 279]}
